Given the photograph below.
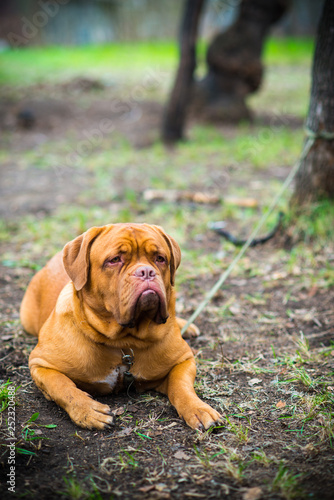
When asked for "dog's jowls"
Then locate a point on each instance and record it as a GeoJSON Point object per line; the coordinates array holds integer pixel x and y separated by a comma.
{"type": "Point", "coordinates": [107, 298]}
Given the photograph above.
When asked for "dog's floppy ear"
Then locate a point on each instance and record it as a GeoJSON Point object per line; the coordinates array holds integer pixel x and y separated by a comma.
{"type": "Point", "coordinates": [175, 253]}
{"type": "Point", "coordinates": [76, 256]}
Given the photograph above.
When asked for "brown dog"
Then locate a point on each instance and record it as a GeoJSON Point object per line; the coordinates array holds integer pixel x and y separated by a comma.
{"type": "Point", "coordinates": [117, 314]}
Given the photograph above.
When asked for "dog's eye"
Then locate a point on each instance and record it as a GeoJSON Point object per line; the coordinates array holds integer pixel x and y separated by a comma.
{"type": "Point", "coordinates": [114, 260]}
{"type": "Point", "coordinates": [160, 259]}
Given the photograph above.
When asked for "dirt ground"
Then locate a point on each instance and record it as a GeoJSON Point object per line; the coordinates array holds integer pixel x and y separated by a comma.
{"type": "Point", "coordinates": [277, 441]}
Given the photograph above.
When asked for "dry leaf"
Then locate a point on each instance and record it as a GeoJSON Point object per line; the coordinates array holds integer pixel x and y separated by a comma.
{"type": "Point", "coordinates": [173, 424]}
{"type": "Point", "coordinates": [281, 404]}
{"type": "Point", "coordinates": [146, 489]}
{"type": "Point", "coordinates": [235, 308]}
{"type": "Point", "coordinates": [153, 433]}
{"type": "Point", "coordinates": [312, 291]}
{"type": "Point", "coordinates": [279, 275]}
{"type": "Point", "coordinates": [180, 455]}
{"type": "Point", "coordinates": [252, 494]}
{"type": "Point", "coordinates": [160, 486]}
{"type": "Point", "coordinates": [125, 432]}
{"type": "Point", "coordinates": [118, 411]}
{"type": "Point", "coordinates": [254, 381]}
{"type": "Point", "coordinates": [242, 202]}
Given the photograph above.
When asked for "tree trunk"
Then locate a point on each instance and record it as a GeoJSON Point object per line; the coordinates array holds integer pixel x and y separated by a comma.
{"type": "Point", "coordinates": [315, 178]}
{"type": "Point", "coordinates": [234, 62]}
{"type": "Point", "coordinates": [175, 113]}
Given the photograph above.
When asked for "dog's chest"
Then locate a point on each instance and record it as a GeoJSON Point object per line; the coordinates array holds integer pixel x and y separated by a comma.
{"type": "Point", "coordinates": [115, 379]}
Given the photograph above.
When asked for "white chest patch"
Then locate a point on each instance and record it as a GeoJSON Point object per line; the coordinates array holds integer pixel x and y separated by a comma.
{"type": "Point", "coordinates": [115, 377]}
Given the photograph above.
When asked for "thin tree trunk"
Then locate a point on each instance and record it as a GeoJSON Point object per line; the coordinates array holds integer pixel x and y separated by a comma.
{"type": "Point", "coordinates": [175, 113]}
{"type": "Point", "coordinates": [315, 179]}
{"type": "Point", "coordinates": [235, 69]}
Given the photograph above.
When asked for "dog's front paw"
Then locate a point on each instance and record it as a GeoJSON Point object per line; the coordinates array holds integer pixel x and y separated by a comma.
{"type": "Point", "coordinates": [90, 414]}
{"type": "Point", "coordinates": [191, 332]}
{"type": "Point", "coordinates": [201, 416]}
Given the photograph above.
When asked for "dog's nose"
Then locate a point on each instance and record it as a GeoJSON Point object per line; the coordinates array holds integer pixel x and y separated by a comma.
{"type": "Point", "coordinates": [145, 273]}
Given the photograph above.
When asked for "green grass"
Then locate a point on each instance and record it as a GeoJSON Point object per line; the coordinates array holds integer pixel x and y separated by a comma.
{"type": "Point", "coordinates": [60, 63]}
{"type": "Point", "coordinates": [287, 484]}
{"type": "Point", "coordinates": [288, 51]}
{"type": "Point", "coordinates": [39, 64]}
{"type": "Point", "coordinates": [6, 394]}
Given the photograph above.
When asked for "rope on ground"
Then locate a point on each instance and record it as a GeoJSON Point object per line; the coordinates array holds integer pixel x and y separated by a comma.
{"type": "Point", "coordinates": [309, 143]}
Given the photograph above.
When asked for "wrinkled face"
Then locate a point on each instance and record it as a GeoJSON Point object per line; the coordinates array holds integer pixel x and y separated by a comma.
{"type": "Point", "coordinates": [130, 271]}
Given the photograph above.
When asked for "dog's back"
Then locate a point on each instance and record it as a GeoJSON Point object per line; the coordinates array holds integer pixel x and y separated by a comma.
{"type": "Point", "coordinates": [41, 295]}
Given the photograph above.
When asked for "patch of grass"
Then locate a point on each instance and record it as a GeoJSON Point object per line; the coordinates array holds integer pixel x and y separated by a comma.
{"type": "Point", "coordinates": [62, 63]}
{"type": "Point", "coordinates": [301, 375]}
{"type": "Point", "coordinates": [303, 351]}
{"type": "Point", "coordinates": [235, 470]}
{"type": "Point", "coordinates": [288, 50]}
{"type": "Point", "coordinates": [247, 366]}
{"type": "Point", "coordinates": [262, 458]}
{"type": "Point", "coordinates": [240, 431]}
{"type": "Point", "coordinates": [88, 488]}
{"type": "Point", "coordinates": [6, 394]}
{"type": "Point", "coordinates": [40, 63]}
{"type": "Point", "coordinates": [287, 484]}
{"type": "Point", "coordinates": [74, 489]}
{"type": "Point", "coordinates": [203, 456]}
{"type": "Point", "coordinates": [319, 408]}
{"type": "Point", "coordinates": [126, 459]}
{"type": "Point", "coordinates": [29, 432]}
{"type": "Point", "coordinates": [311, 223]}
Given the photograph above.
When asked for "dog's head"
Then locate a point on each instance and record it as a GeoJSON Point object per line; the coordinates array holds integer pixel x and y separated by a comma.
{"type": "Point", "coordinates": [126, 270]}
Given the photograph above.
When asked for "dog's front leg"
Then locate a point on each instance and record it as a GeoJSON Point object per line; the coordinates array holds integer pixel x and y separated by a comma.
{"type": "Point", "coordinates": [179, 387]}
{"type": "Point", "coordinates": [82, 409]}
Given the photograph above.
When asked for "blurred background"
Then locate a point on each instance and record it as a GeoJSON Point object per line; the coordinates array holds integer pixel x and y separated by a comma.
{"type": "Point", "coordinates": [101, 21]}
{"type": "Point", "coordinates": [83, 93]}
{"type": "Point", "coordinates": [83, 88]}
{"type": "Point", "coordinates": [84, 84]}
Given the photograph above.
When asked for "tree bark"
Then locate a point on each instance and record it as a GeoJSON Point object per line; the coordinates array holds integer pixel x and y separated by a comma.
{"type": "Point", "coordinates": [175, 113]}
{"type": "Point", "coordinates": [315, 178]}
{"type": "Point", "coordinates": [235, 69]}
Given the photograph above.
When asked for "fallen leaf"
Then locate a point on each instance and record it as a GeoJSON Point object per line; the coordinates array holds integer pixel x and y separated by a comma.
{"type": "Point", "coordinates": [125, 432]}
{"type": "Point", "coordinates": [279, 275]}
{"type": "Point", "coordinates": [235, 309]}
{"type": "Point", "coordinates": [180, 455]}
{"type": "Point", "coordinates": [254, 381]}
{"type": "Point", "coordinates": [242, 202]}
{"type": "Point", "coordinates": [153, 433]}
{"type": "Point", "coordinates": [160, 486]}
{"type": "Point", "coordinates": [312, 291]}
{"type": "Point", "coordinates": [281, 404]}
{"type": "Point", "coordinates": [173, 424]}
{"type": "Point", "coordinates": [252, 494]}
{"type": "Point", "coordinates": [118, 411]}
{"type": "Point", "coordinates": [146, 489]}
